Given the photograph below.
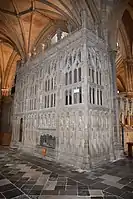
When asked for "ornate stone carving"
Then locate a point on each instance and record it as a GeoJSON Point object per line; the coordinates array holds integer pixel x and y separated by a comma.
{"type": "Point", "coordinates": [83, 129]}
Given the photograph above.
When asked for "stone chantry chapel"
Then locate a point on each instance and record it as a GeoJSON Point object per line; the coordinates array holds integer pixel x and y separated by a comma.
{"type": "Point", "coordinates": [66, 78]}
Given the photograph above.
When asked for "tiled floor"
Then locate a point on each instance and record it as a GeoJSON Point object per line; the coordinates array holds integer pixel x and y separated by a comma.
{"type": "Point", "coordinates": [23, 176]}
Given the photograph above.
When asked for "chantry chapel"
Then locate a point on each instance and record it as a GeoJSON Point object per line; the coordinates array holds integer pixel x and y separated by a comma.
{"type": "Point", "coordinates": [66, 79]}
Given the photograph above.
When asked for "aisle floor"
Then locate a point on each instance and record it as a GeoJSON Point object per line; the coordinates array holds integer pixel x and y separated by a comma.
{"type": "Point", "coordinates": [23, 176]}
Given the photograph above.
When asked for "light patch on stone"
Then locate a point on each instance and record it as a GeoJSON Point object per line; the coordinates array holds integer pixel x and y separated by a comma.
{"type": "Point", "coordinates": [96, 193]}
{"type": "Point", "coordinates": [4, 182]}
{"type": "Point", "coordinates": [50, 185]}
{"type": "Point", "coordinates": [110, 178]}
{"type": "Point", "coordinates": [113, 184]}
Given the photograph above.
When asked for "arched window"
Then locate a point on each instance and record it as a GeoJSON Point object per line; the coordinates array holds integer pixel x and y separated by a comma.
{"type": "Point", "coordinates": [46, 85]}
{"type": "Point", "coordinates": [48, 101]}
{"type": "Point", "coordinates": [54, 99]}
{"type": "Point", "coordinates": [92, 75]}
{"type": "Point", "coordinates": [66, 97]}
{"type": "Point", "coordinates": [74, 57]}
{"type": "Point", "coordinates": [45, 102]}
{"type": "Point", "coordinates": [75, 75]}
{"type": "Point", "coordinates": [70, 77]}
{"type": "Point", "coordinates": [70, 60]}
{"type": "Point", "coordinates": [52, 84]}
{"type": "Point", "coordinates": [93, 94]}
{"type": "Point", "coordinates": [75, 98]}
{"type": "Point", "coordinates": [97, 97]}
{"type": "Point", "coordinates": [70, 96]}
{"type": "Point", "coordinates": [90, 95]}
{"type": "Point", "coordinates": [89, 72]}
{"type": "Point", "coordinates": [79, 74]}
{"type": "Point", "coordinates": [101, 98]}
{"type": "Point", "coordinates": [89, 57]}
{"type": "Point", "coordinates": [100, 77]}
{"type": "Point", "coordinates": [51, 100]}
{"type": "Point", "coordinates": [79, 56]}
{"type": "Point", "coordinates": [66, 78]}
{"type": "Point", "coordinates": [97, 77]}
{"type": "Point", "coordinates": [96, 61]}
{"type": "Point", "coordinates": [80, 95]}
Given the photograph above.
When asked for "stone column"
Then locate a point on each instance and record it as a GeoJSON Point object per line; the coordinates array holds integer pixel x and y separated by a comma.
{"type": "Point", "coordinates": [84, 18]}
{"type": "Point", "coordinates": [59, 34]}
{"type": "Point", "coordinates": [86, 159]}
{"type": "Point", "coordinates": [69, 27]}
{"type": "Point", "coordinates": [59, 106]}
{"type": "Point", "coordinates": [116, 135]}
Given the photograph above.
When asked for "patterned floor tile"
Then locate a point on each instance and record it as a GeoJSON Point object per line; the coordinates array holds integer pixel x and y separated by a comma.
{"type": "Point", "coordinates": [83, 193]}
{"type": "Point", "coordinates": [113, 184]}
{"type": "Point", "coordinates": [34, 192]}
{"type": "Point", "coordinates": [114, 191]}
{"type": "Point", "coordinates": [111, 197]}
{"type": "Point", "coordinates": [127, 189]}
{"type": "Point", "coordinates": [4, 182]}
{"type": "Point", "coordinates": [53, 177]}
{"type": "Point", "coordinates": [7, 187]}
{"type": "Point", "coordinates": [50, 185]}
{"type": "Point", "coordinates": [130, 184]}
{"type": "Point", "coordinates": [110, 178]}
{"type": "Point", "coordinates": [50, 192]}
{"type": "Point", "coordinates": [34, 196]}
{"type": "Point", "coordinates": [64, 197]}
{"type": "Point", "coordinates": [12, 193]}
{"type": "Point", "coordinates": [125, 180]}
{"type": "Point", "coordinates": [99, 185]}
{"type": "Point", "coordinates": [21, 197]}
{"type": "Point", "coordinates": [96, 193]}
{"type": "Point", "coordinates": [1, 196]}
{"type": "Point", "coordinates": [43, 179]}
{"type": "Point", "coordinates": [71, 192]}
{"type": "Point", "coordinates": [127, 195]}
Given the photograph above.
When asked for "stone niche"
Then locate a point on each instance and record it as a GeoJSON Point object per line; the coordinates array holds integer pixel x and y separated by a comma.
{"type": "Point", "coordinates": [47, 140]}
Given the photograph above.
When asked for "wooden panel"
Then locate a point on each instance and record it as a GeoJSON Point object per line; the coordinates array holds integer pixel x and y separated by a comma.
{"type": "Point", "coordinates": [5, 139]}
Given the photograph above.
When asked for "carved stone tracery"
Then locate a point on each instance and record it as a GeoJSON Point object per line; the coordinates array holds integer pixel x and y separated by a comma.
{"type": "Point", "coordinates": [82, 127]}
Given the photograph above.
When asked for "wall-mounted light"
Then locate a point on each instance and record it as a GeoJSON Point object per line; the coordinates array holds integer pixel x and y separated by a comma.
{"type": "Point", "coordinates": [5, 91]}
{"type": "Point", "coordinates": [29, 54]}
{"type": "Point", "coordinates": [43, 46]}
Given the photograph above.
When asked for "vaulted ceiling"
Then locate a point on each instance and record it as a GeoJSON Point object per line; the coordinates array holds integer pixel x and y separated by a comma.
{"type": "Point", "coordinates": [26, 24]}
{"type": "Point", "coordinates": [29, 21]}
{"type": "Point", "coordinates": [125, 49]}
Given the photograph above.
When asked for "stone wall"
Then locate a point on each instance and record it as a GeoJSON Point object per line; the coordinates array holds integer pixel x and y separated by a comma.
{"type": "Point", "coordinates": [6, 114]}
{"type": "Point", "coordinates": [65, 93]}
{"type": "Point", "coordinates": [125, 106]}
